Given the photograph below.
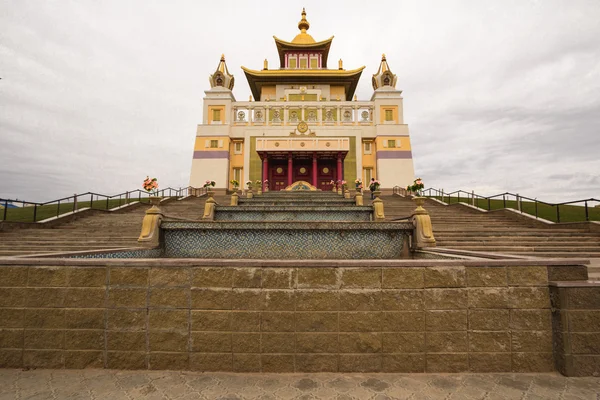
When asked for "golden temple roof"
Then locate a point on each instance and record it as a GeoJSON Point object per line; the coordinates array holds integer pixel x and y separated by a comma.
{"type": "Point", "coordinates": [348, 79]}
{"type": "Point", "coordinates": [303, 37]}
{"type": "Point", "coordinates": [302, 41]}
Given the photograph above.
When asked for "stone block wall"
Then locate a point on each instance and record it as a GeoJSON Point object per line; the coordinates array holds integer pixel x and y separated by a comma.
{"type": "Point", "coordinates": [576, 325]}
{"type": "Point", "coordinates": [381, 318]}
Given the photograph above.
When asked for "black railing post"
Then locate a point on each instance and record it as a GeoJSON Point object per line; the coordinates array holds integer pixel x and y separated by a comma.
{"type": "Point", "coordinates": [489, 204]}
{"type": "Point", "coordinates": [504, 200]}
{"type": "Point", "coordinates": [58, 209]}
{"type": "Point", "coordinates": [107, 202]}
{"type": "Point", "coordinates": [458, 201]}
{"type": "Point", "coordinates": [92, 201]}
{"type": "Point", "coordinates": [557, 213]}
{"type": "Point", "coordinates": [587, 217]}
{"type": "Point", "coordinates": [139, 196]}
{"type": "Point", "coordinates": [34, 212]}
{"type": "Point", "coordinates": [536, 211]}
{"type": "Point", "coordinates": [5, 209]}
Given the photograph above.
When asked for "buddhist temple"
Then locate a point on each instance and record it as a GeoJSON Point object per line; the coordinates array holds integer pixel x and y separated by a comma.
{"type": "Point", "coordinates": [303, 122]}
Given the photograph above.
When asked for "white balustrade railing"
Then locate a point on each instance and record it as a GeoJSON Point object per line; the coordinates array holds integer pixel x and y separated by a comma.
{"type": "Point", "coordinates": [291, 113]}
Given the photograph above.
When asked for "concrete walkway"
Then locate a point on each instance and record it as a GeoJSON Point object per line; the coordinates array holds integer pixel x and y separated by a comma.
{"type": "Point", "coordinates": [109, 384]}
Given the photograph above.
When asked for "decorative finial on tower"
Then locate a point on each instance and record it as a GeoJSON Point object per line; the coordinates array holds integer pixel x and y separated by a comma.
{"type": "Point", "coordinates": [384, 76]}
{"type": "Point", "coordinates": [340, 64]}
{"type": "Point", "coordinates": [303, 25]}
{"type": "Point", "coordinates": [222, 77]}
{"type": "Point", "coordinates": [266, 64]}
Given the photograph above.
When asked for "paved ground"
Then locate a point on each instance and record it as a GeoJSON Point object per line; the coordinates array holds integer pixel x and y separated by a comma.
{"type": "Point", "coordinates": [107, 384]}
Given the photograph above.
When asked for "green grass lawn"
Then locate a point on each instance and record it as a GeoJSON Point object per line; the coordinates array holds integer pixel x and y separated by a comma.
{"type": "Point", "coordinates": [568, 213]}
{"type": "Point", "coordinates": [25, 214]}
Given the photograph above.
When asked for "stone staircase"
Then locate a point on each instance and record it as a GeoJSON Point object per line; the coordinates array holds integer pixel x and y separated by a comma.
{"type": "Point", "coordinates": [100, 230]}
{"type": "Point", "coordinates": [460, 228]}
{"type": "Point", "coordinates": [454, 227]}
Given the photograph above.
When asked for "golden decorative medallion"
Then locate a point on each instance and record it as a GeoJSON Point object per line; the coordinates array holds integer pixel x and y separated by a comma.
{"type": "Point", "coordinates": [302, 127]}
{"type": "Point", "coordinates": [302, 170]}
{"type": "Point", "coordinates": [279, 170]}
{"type": "Point", "coordinates": [325, 170]}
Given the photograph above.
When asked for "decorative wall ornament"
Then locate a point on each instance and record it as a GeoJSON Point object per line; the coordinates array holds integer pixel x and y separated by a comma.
{"type": "Point", "coordinates": [365, 116]}
{"type": "Point", "coordinates": [241, 116]}
{"type": "Point", "coordinates": [347, 116]}
{"type": "Point", "coordinates": [328, 116]}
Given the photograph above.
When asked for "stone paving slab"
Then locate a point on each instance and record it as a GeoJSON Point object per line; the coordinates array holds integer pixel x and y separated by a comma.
{"type": "Point", "coordinates": [112, 384]}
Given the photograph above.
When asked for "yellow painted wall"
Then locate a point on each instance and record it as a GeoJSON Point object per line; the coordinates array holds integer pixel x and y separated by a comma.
{"type": "Point", "coordinates": [337, 92]}
{"type": "Point", "coordinates": [200, 144]}
{"type": "Point", "coordinates": [404, 143]}
{"type": "Point", "coordinates": [369, 160]}
{"type": "Point", "coordinates": [382, 113]}
{"type": "Point", "coordinates": [210, 113]}
{"type": "Point", "coordinates": [268, 91]}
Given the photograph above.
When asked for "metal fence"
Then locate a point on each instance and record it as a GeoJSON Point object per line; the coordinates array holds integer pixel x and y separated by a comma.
{"type": "Point", "coordinates": [27, 211]}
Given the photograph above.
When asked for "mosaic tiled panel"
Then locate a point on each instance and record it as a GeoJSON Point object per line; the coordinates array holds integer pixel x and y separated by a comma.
{"type": "Point", "coordinates": [297, 202]}
{"type": "Point", "coordinates": [309, 215]}
{"type": "Point", "coordinates": [136, 253]}
{"type": "Point", "coordinates": [284, 244]}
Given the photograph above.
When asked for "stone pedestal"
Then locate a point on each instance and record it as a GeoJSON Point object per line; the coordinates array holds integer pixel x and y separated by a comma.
{"type": "Point", "coordinates": [423, 229]}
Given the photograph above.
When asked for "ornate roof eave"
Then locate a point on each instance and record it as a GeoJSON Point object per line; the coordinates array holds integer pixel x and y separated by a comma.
{"type": "Point", "coordinates": [257, 79]}
{"type": "Point", "coordinates": [282, 46]}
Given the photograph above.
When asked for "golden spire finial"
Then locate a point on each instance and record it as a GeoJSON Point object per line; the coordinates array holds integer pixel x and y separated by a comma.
{"type": "Point", "coordinates": [222, 57]}
{"type": "Point", "coordinates": [303, 25]}
{"type": "Point", "coordinates": [383, 57]}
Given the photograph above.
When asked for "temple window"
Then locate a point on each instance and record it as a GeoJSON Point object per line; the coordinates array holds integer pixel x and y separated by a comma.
{"type": "Point", "coordinates": [389, 115]}
{"type": "Point", "coordinates": [214, 144]}
{"type": "Point", "coordinates": [303, 62]}
{"type": "Point", "coordinates": [216, 115]}
{"type": "Point", "coordinates": [367, 149]}
{"type": "Point", "coordinates": [237, 148]}
{"type": "Point", "coordinates": [314, 63]}
{"type": "Point", "coordinates": [292, 63]}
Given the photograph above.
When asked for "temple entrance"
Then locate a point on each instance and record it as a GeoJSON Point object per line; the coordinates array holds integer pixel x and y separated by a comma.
{"type": "Point", "coordinates": [319, 169]}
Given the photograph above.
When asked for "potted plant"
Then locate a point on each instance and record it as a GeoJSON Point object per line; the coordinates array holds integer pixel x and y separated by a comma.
{"type": "Point", "coordinates": [258, 187]}
{"type": "Point", "coordinates": [151, 186]}
{"type": "Point", "coordinates": [332, 183]}
{"type": "Point", "coordinates": [266, 185]}
{"type": "Point", "coordinates": [416, 187]}
{"type": "Point", "coordinates": [249, 184]}
{"type": "Point", "coordinates": [208, 184]}
{"type": "Point", "coordinates": [358, 183]}
{"type": "Point", "coordinates": [235, 184]}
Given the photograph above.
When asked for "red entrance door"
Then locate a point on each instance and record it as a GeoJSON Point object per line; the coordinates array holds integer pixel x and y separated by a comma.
{"type": "Point", "coordinates": [326, 173]}
{"type": "Point", "coordinates": [302, 170]}
{"type": "Point", "coordinates": [278, 175]}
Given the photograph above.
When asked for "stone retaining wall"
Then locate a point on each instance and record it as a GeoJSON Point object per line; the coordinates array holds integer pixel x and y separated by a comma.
{"type": "Point", "coordinates": [388, 317]}
{"type": "Point", "coordinates": [576, 325]}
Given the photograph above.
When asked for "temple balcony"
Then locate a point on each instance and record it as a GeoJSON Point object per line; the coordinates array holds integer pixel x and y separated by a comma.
{"type": "Point", "coordinates": [281, 113]}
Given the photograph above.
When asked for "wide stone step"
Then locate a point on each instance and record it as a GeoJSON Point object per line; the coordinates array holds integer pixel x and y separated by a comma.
{"type": "Point", "coordinates": [512, 249]}
{"type": "Point", "coordinates": [540, 242]}
{"type": "Point", "coordinates": [293, 213]}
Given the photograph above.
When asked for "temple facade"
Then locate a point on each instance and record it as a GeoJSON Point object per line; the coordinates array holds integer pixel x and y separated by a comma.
{"type": "Point", "coordinates": [303, 122]}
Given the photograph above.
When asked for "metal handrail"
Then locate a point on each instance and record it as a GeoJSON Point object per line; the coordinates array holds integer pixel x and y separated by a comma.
{"type": "Point", "coordinates": [94, 198]}
{"type": "Point", "coordinates": [506, 197]}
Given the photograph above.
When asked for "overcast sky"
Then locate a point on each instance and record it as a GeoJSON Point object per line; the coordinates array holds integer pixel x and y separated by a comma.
{"type": "Point", "coordinates": [498, 95]}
